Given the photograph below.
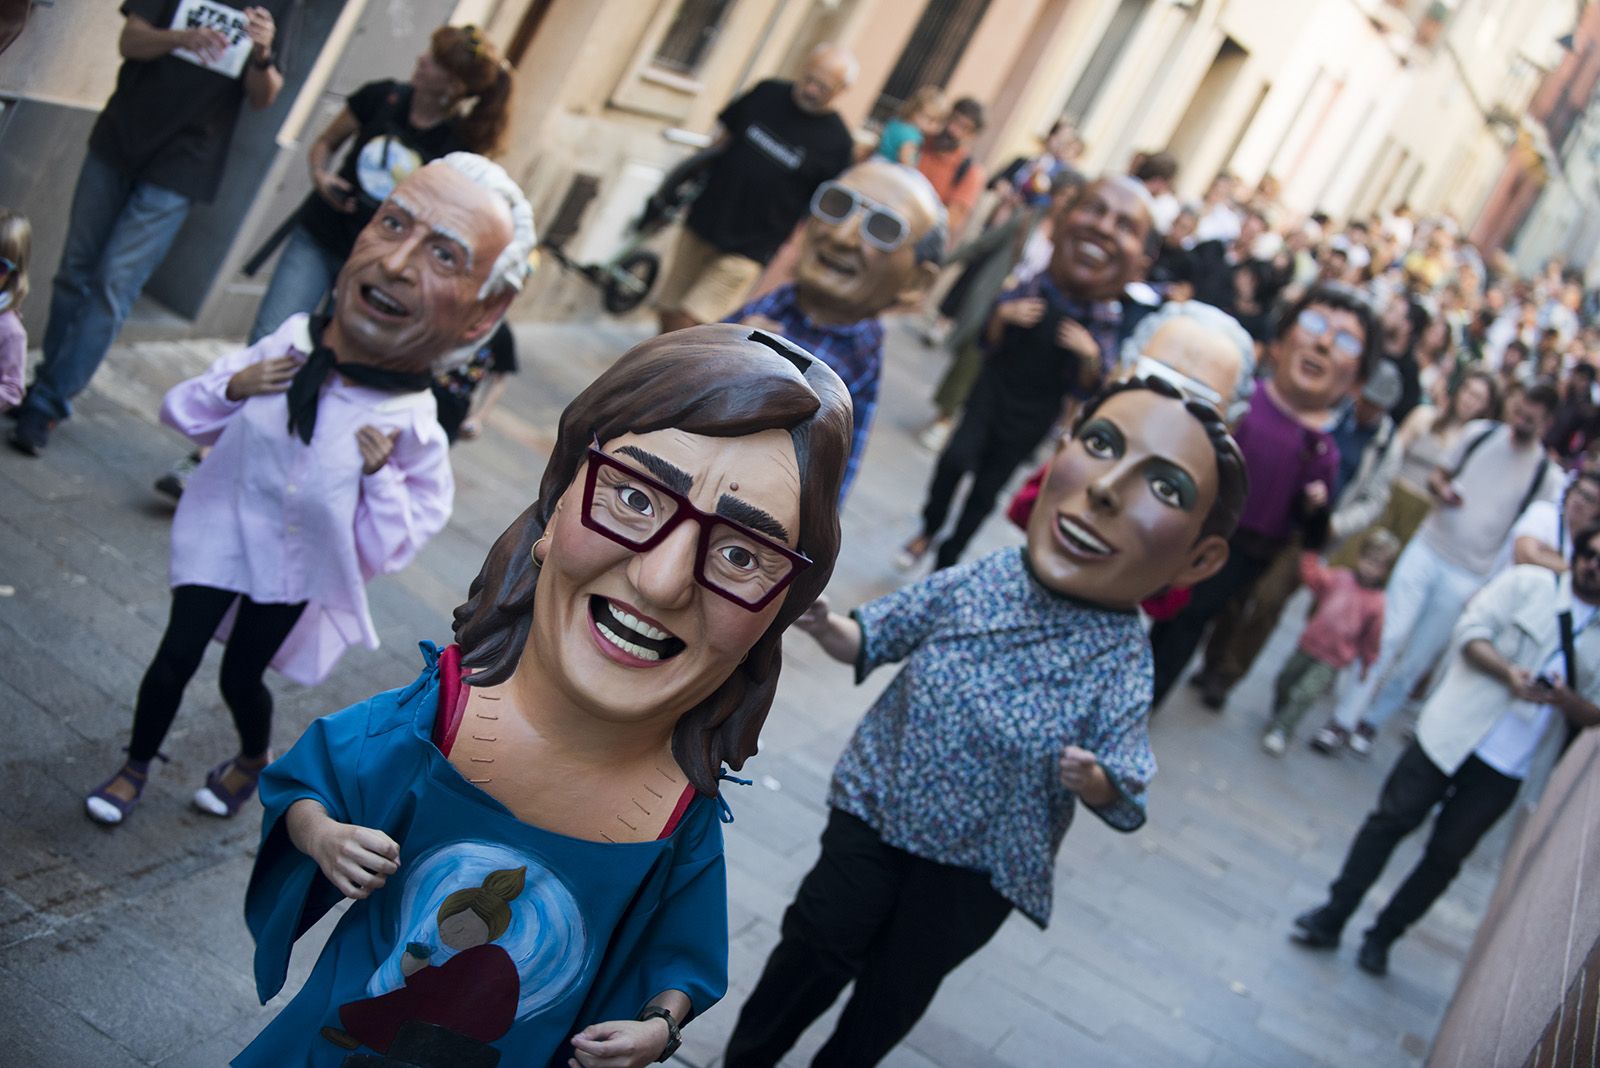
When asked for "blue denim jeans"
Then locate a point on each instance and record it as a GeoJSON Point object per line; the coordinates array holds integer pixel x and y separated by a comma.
{"type": "Point", "coordinates": [305, 272]}
{"type": "Point", "coordinates": [118, 233]}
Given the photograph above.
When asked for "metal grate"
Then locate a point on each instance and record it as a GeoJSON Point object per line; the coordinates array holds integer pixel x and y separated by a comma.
{"type": "Point", "coordinates": [693, 31]}
{"type": "Point", "coordinates": [931, 55]}
{"type": "Point", "coordinates": [569, 214]}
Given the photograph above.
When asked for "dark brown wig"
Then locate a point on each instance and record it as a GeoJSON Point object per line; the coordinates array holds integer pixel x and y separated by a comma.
{"type": "Point", "coordinates": [720, 381]}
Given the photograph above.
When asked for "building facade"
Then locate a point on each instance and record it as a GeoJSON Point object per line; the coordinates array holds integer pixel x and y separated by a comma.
{"type": "Point", "coordinates": [1346, 106]}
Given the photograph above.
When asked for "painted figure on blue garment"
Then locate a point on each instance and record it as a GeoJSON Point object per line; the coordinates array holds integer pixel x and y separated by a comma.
{"type": "Point", "coordinates": [621, 643]}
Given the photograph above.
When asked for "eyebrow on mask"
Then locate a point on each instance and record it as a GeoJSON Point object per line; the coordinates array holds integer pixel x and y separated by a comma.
{"type": "Point", "coordinates": [437, 229]}
{"type": "Point", "coordinates": [747, 514]}
{"type": "Point", "coordinates": [674, 476]}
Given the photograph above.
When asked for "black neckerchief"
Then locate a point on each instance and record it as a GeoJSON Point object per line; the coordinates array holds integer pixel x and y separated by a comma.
{"type": "Point", "coordinates": [306, 389]}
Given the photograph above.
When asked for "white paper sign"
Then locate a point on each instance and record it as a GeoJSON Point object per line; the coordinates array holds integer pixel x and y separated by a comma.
{"type": "Point", "coordinates": [228, 21]}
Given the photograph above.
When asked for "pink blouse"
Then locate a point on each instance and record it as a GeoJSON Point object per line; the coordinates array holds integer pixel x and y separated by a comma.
{"type": "Point", "coordinates": [13, 358]}
{"type": "Point", "coordinates": [279, 520]}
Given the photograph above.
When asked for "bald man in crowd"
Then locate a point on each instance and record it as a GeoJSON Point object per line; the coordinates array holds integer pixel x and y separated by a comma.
{"type": "Point", "coordinates": [778, 142]}
{"type": "Point", "coordinates": [874, 241]}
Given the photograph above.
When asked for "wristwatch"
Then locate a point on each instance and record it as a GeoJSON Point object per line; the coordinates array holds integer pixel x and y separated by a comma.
{"type": "Point", "coordinates": [674, 1036]}
{"type": "Point", "coordinates": [263, 64]}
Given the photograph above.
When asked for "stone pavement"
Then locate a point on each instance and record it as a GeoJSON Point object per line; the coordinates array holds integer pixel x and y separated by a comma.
{"type": "Point", "coordinates": [128, 947]}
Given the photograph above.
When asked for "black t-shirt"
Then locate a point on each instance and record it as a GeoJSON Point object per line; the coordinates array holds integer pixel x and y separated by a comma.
{"type": "Point", "coordinates": [169, 121]}
{"type": "Point", "coordinates": [385, 148]}
{"type": "Point", "coordinates": [761, 185]}
{"type": "Point", "coordinates": [453, 389]}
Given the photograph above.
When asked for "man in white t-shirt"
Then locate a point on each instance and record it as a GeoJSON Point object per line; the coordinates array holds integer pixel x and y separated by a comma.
{"type": "Point", "coordinates": [1491, 476]}
{"type": "Point", "coordinates": [1543, 536]}
{"type": "Point", "coordinates": [1507, 682]}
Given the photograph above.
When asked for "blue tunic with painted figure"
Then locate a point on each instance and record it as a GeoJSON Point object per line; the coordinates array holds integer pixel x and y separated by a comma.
{"type": "Point", "coordinates": [594, 928]}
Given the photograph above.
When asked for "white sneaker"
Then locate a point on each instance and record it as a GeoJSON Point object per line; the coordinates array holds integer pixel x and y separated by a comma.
{"type": "Point", "coordinates": [936, 435]}
{"type": "Point", "coordinates": [1361, 740]}
{"type": "Point", "coordinates": [1275, 742]}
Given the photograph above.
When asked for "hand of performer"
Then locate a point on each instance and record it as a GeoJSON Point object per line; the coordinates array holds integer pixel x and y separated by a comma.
{"type": "Point", "coordinates": [619, 1044]}
{"type": "Point", "coordinates": [1082, 774]}
{"type": "Point", "coordinates": [339, 194]}
{"type": "Point", "coordinates": [1316, 494]}
{"type": "Point", "coordinates": [814, 620]}
{"type": "Point", "coordinates": [356, 860]}
{"type": "Point", "coordinates": [205, 42]}
{"type": "Point", "coordinates": [376, 447]}
{"type": "Point", "coordinates": [1075, 338]}
{"type": "Point", "coordinates": [1024, 312]}
{"type": "Point", "coordinates": [264, 376]}
{"type": "Point", "coordinates": [261, 30]}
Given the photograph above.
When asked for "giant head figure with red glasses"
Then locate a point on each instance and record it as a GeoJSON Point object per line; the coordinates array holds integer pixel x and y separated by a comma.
{"type": "Point", "coordinates": [531, 831]}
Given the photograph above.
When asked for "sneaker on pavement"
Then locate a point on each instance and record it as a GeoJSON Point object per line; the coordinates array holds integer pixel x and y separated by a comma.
{"type": "Point", "coordinates": [936, 435]}
{"type": "Point", "coordinates": [175, 480]}
{"type": "Point", "coordinates": [32, 432]}
{"type": "Point", "coordinates": [1361, 739]}
{"type": "Point", "coordinates": [1329, 739]}
{"type": "Point", "coordinates": [1275, 742]}
{"type": "Point", "coordinates": [1373, 957]}
{"type": "Point", "coordinates": [1315, 929]}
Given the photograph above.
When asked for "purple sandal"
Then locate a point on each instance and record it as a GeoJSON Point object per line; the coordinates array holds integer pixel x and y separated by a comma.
{"type": "Point", "coordinates": [215, 799]}
{"type": "Point", "coordinates": [105, 807]}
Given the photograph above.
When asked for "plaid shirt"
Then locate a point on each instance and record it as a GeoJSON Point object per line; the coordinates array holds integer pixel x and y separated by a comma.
{"type": "Point", "coordinates": [855, 353]}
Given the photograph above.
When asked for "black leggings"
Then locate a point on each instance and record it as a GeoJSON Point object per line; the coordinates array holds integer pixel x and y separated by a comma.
{"type": "Point", "coordinates": [258, 632]}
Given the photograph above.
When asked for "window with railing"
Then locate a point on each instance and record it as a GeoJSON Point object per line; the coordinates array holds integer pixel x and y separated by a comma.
{"type": "Point", "coordinates": [689, 38]}
{"type": "Point", "coordinates": [932, 52]}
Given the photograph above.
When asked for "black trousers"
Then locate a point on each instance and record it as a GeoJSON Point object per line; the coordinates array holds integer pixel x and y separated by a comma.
{"type": "Point", "coordinates": [258, 632]}
{"type": "Point", "coordinates": [894, 923]}
{"type": "Point", "coordinates": [1173, 642]}
{"type": "Point", "coordinates": [1470, 801]}
{"type": "Point", "coordinates": [989, 444]}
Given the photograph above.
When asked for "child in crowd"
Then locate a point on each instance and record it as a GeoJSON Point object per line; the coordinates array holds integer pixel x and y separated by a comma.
{"type": "Point", "coordinates": [921, 116]}
{"type": "Point", "coordinates": [1345, 626]}
{"type": "Point", "coordinates": [16, 238]}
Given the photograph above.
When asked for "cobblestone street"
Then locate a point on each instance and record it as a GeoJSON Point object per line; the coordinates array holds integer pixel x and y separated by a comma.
{"type": "Point", "coordinates": [128, 947]}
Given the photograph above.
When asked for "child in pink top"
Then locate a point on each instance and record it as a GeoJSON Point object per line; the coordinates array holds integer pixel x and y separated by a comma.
{"type": "Point", "coordinates": [1346, 625]}
{"type": "Point", "coordinates": [16, 237]}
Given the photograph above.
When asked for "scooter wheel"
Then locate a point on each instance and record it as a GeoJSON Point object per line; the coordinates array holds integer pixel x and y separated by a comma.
{"type": "Point", "coordinates": [629, 282]}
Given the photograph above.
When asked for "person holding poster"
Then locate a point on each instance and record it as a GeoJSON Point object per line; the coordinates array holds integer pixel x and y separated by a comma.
{"type": "Point", "coordinates": [159, 146]}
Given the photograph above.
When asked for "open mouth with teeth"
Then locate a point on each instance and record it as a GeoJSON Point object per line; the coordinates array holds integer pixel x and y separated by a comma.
{"type": "Point", "coordinates": [1090, 254]}
{"type": "Point", "coordinates": [1080, 540]}
{"type": "Point", "coordinates": [848, 266]}
{"type": "Point", "coordinates": [383, 303]}
{"type": "Point", "coordinates": [634, 636]}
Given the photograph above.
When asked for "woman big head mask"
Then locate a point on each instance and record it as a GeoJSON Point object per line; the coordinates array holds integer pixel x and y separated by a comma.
{"type": "Point", "coordinates": [687, 516]}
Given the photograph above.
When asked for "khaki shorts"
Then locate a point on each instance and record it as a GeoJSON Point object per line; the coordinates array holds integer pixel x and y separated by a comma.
{"type": "Point", "coordinates": [705, 282]}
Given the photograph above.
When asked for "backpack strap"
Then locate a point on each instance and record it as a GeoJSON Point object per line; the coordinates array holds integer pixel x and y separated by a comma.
{"type": "Point", "coordinates": [1472, 447]}
{"type": "Point", "coordinates": [1533, 487]}
{"type": "Point", "coordinates": [961, 170]}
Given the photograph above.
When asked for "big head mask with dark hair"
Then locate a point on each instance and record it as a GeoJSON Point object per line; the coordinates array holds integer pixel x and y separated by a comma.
{"type": "Point", "coordinates": [717, 381]}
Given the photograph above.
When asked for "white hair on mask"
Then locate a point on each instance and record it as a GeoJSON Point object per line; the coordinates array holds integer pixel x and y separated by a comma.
{"type": "Point", "coordinates": [511, 267]}
{"type": "Point", "coordinates": [1134, 186]}
{"type": "Point", "coordinates": [1213, 319]}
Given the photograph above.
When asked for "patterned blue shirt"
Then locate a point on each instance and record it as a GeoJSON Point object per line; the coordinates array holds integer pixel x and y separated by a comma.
{"type": "Point", "coordinates": [855, 353]}
{"type": "Point", "coordinates": [958, 761]}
